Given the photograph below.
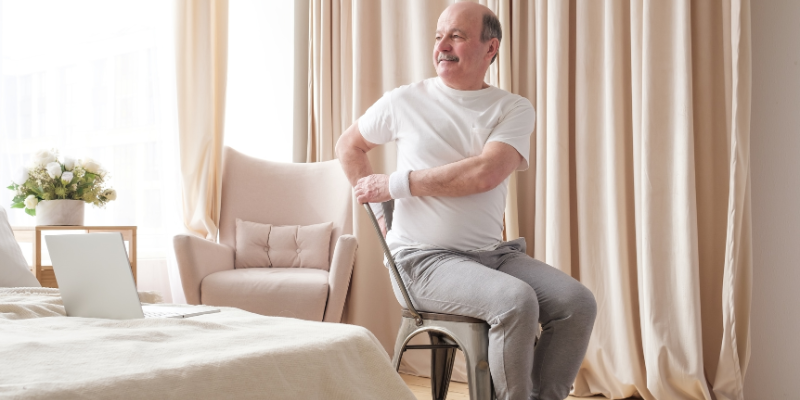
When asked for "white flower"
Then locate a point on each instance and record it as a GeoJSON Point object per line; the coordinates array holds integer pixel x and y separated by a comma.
{"type": "Point", "coordinates": [66, 177]}
{"type": "Point", "coordinates": [21, 177]}
{"type": "Point", "coordinates": [43, 157]}
{"type": "Point", "coordinates": [110, 194]}
{"type": "Point", "coordinates": [91, 165]}
{"type": "Point", "coordinates": [69, 163]}
{"type": "Point", "coordinates": [31, 202]}
{"type": "Point", "coordinates": [53, 169]}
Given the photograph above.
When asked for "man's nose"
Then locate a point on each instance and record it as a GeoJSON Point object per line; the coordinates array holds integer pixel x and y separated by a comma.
{"type": "Point", "coordinates": [444, 45]}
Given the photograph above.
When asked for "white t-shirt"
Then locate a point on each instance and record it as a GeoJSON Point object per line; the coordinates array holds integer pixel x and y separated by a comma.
{"type": "Point", "coordinates": [434, 125]}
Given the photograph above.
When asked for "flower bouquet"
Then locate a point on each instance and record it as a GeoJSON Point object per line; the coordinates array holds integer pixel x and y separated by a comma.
{"type": "Point", "coordinates": [51, 178]}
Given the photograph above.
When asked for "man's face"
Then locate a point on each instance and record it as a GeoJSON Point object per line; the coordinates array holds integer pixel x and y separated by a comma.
{"type": "Point", "coordinates": [459, 56]}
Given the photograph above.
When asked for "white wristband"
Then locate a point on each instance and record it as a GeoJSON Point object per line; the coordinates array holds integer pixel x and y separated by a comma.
{"type": "Point", "coordinates": [398, 184]}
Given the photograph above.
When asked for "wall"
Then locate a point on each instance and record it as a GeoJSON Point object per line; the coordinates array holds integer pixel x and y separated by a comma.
{"type": "Point", "coordinates": [775, 168]}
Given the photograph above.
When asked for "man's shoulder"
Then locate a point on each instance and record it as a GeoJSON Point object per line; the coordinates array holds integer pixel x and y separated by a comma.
{"type": "Point", "coordinates": [512, 103]}
{"type": "Point", "coordinates": [412, 88]}
{"type": "Point", "coordinates": [513, 98]}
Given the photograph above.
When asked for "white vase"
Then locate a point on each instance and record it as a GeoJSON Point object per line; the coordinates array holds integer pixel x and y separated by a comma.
{"type": "Point", "coordinates": [59, 212]}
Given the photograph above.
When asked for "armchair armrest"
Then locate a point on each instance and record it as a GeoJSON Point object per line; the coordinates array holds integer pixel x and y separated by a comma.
{"type": "Point", "coordinates": [198, 258]}
{"type": "Point", "coordinates": [344, 256]}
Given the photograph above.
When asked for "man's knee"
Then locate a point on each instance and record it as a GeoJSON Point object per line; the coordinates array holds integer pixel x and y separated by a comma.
{"type": "Point", "coordinates": [576, 302]}
{"type": "Point", "coordinates": [518, 301]}
{"type": "Point", "coordinates": [585, 303]}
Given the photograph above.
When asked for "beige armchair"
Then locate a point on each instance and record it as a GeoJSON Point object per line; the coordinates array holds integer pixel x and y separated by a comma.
{"type": "Point", "coordinates": [278, 194]}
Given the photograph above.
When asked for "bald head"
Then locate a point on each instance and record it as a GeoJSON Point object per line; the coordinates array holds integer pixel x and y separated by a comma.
{"type": "Point", "coordinates": [467, 41]}
{"type": "Point", "coordinates": [490, 24]}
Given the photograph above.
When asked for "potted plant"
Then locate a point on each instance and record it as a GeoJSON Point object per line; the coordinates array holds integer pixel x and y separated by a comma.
{"type": "Point", "coordinates": [54, 190]}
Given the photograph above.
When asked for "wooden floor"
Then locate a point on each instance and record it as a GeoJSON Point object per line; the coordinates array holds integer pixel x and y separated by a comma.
{"type": "Point", "coordinates": [421, 387]}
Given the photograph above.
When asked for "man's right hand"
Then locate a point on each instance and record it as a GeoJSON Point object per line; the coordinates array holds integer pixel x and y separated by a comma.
{"type": "Point", "coordinates": [373, 189]}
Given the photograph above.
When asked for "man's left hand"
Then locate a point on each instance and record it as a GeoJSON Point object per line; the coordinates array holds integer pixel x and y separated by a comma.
{"type": "Point", "coordinates": [373, 189]}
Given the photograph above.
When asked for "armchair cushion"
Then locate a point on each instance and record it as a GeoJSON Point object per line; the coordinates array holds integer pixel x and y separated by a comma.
{"type": "Point", "coordinates": [252, 244]}
{"type": "Point", "coordinates": [285, 292]}
{"type": "Point", "coordinates": [264, 245]}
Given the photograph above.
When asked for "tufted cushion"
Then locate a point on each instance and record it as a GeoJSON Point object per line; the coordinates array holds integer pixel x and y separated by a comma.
{"type": "Point", "coordinates": [13, 267]}
{"type": "Point", "coordinates": [285, 292]}
{"type": "Point", "coordinates": [252, 244]}
{"type": "Point", "coordinates": [265, 245]}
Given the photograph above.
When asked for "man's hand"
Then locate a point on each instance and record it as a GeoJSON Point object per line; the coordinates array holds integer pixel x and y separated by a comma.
{"type": "Point", "coordinates": [373, 189]}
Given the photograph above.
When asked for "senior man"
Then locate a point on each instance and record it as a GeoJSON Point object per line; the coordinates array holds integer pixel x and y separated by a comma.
{"type": "Point", "coordinates": [458, 141]}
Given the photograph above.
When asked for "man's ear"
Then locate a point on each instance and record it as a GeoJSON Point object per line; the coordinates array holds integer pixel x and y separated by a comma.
{"type": "Point", "coordinates": [494, 48]}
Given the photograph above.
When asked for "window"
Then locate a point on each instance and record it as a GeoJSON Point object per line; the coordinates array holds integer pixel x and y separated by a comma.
{"type": "Point", "coordinates": [94, 78]}
{"type": "Point", "coordinates": [258, 111]}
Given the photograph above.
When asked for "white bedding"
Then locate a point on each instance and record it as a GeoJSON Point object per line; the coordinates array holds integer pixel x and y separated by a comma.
{"type": "Point", "coordinates": [231, 354]}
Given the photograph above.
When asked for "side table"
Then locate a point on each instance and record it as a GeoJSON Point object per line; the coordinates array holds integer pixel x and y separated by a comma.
{"type": "Point", "coordinates": [44, 273]}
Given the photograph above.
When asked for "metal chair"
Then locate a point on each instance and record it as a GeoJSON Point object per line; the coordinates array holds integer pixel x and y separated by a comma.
{"type": "Point", "coordinates": [447, 334]}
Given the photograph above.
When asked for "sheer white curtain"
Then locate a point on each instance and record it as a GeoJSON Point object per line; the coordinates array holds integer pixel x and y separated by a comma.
{"type": "Point", "coordinates": [259, 99]}
{"type": "Point", "coordinates": [96, 79]}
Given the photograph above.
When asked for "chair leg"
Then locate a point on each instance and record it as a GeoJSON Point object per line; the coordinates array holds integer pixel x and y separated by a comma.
{"type": "Point", "coordinates": [442, 361]}
{"type": "Point", "coordinates": [475, 348]}
{"type": "Point", "coordinates": [406, 328]}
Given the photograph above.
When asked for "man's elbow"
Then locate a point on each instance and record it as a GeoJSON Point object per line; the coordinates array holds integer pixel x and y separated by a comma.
{"type": "Point", "coordinates": [494, 169]}
{"type": "Point", "coordinates": [342, 147]}
{"type": "Point", "coordinates": [488, 180]}
{"type": "Point", "coordinates": [337, 150]}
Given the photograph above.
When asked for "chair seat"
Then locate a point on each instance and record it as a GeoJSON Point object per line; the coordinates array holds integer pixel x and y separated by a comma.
{"type": "Point", "coordinates": [283, 292]}
{"type": "Point", "coordinates": [442, 317]}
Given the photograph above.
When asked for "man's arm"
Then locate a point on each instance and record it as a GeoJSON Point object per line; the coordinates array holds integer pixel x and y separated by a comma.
{"type": "Point", "coordinates": [351, 149]}
{"type": "Point", "coordinates": [468, 176]}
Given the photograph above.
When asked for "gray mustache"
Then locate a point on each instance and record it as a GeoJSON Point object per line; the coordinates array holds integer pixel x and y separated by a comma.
{"type": "Point", "coordinates": [445, 57]}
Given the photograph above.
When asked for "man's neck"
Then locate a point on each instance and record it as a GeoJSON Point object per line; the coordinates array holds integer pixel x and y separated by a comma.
{"type": "Point", "coordinates": [476, 85]}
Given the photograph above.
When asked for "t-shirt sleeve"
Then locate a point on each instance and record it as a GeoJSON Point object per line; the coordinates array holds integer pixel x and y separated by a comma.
{"type": "Point", "coordinates": [377, 125]}
{"type": "Point", "coordinates": [515, 129]}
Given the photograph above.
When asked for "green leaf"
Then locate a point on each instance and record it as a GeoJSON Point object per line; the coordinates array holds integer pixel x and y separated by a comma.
{"type": "Point", "coordinates": [12, 187]}
{"type": "Point", "coordinates": [18, 199]}
{"type": "Point", "coordinates": [17, 205]}
{"type": "Point", "coordinates": [30, 212]}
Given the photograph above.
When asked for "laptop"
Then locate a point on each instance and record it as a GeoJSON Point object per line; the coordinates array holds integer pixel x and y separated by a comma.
{"type": "Point", "coordinates": [95, 279]}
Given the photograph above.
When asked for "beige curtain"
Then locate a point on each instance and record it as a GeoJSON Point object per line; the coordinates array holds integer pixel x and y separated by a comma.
{"type": "Point", "coordinates": [202, 53]}
{"type": "Point", "coordinates": [640, 185]}
{"type": "Point", "coordinates": [330, 73]}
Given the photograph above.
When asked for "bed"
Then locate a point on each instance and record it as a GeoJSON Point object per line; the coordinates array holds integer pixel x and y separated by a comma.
{"type": "Point", "coordinates": [231, 354]}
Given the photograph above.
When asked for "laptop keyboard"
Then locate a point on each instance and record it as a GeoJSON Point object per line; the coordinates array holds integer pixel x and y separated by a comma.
{"type": "Point", "coordinates": [161, 314]}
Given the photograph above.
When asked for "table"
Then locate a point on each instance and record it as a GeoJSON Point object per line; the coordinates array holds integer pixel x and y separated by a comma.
{"type": "Point", "coordinates": [44, 273]}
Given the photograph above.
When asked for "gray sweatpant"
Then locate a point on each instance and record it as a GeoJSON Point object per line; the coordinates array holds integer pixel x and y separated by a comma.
{"type": "Point", "coordinates": [513, 293]}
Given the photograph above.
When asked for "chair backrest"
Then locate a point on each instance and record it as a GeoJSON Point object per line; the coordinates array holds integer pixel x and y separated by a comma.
{"type": "Point", "coordinates": [277, 193]}
{"type": "Point", "coordinates": [388, 208]}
